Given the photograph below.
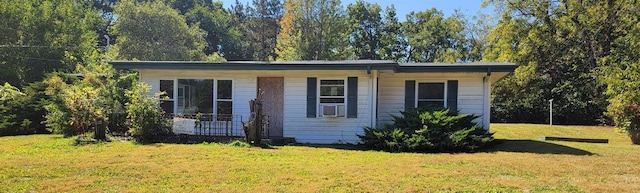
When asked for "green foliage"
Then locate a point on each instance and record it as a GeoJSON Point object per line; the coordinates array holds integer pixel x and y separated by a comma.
{"type": "Point", "coordinates": [560, 47]}
{"type": "Point", "coordinates": [622, 73]}
{"type": "Point", "coordinates": [9, 122]}
{"type": "Point", "coordinates": [393, 44]}
{"type": "Point", "coordinates": [313, 30]}
{"type": "Point", "coordinates": [37, 35]}
{"type": "Point", "coordinates": [428, 130]}
{"type": "Point", "coordinates": [220, 35]}
{"type": "Point", "coordinates": [434, 38]}
{"type": "Point", "coordinates": [24, 113]}
{"type": "Point", "coordinates": [258, 23]}
{"type": "Point", "coordinates": [366, 29]}
{"type": "Point", "coordinates": [165, 35]}
{"type": "Point", "coordinates": [145, 115]}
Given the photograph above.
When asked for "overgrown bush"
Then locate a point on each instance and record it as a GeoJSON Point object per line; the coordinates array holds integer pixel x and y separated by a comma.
{"type": "Point", "coordinates": [145, 116]}
{"type": "Point", "coordinates": [23, 113]}
{"type": "Point", "coordinates": [627, 118]}
{"type": "Point", "coordinates": [428, 130]}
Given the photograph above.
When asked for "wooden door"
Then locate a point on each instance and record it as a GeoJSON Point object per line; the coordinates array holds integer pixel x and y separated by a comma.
{"type": "Point", "coordinates": [271, 92]}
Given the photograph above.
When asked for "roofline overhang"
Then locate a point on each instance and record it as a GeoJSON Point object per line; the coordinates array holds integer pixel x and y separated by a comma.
{"type": "Point", "coordinates": [366, 65]}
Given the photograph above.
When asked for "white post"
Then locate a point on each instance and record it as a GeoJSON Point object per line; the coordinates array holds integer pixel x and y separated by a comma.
{"type": "Point", "coordinates": [551, 112]}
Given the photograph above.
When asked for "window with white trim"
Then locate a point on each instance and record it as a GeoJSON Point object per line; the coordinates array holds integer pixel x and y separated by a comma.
{"type": "Point", "coordinates": [166, 99]}
{"type": "Point", "coordinates": [332, 98]}
{"type": "Point", "coordinates": [224, 101]}
{"type": "Point", "coordinates": [431, 94]}
{"type": "Point", "coordinates": [195, 96]}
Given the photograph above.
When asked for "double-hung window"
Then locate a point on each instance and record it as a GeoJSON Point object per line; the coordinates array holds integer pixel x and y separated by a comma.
{"type": "Point", "coordinates": [166, 99]}
{"type": "Point", "coordinates": [431, 94]}
{"type": "Point", "coordinates": [224, 101]}
{"type": "Point", "coordinates": [332, 98]}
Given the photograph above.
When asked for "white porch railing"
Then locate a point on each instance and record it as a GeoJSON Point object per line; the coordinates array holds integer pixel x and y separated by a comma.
{"type": "Point", "coordinates": [212, 125]}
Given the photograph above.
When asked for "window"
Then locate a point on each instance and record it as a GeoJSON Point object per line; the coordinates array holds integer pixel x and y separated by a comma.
{"type": "Point", "coordinates": [195, 96]}
{"type": "Point", "coordinates": [166, 99]}
{"type": "Point", "coordinates": [332, 98]}
{"type": "Point", "coordinates": [431, 95]}
{"type": "Point", "coordinates": [224, 101]}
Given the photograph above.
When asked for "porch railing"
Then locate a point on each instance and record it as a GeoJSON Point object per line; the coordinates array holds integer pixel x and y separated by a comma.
{"type": "Point", "coordinates": [212, 125]}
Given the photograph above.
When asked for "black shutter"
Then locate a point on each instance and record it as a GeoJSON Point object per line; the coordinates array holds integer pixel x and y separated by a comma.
{"type": "Point", "coordinates": [409, 94]}
{"type": "Point", "coordinates": [312, 86]}
{"type": "Point", "coordinates": [352, 97]}
{"type": "Point", "coordinates": [452, 95]}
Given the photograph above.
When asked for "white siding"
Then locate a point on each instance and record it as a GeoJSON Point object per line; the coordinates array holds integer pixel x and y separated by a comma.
{"type": "Point", "coordinates": [295, 121]}
{"type": "Point", "coordinates": [323, 130]}
{"type": "Point", "coordinates": [391, 92]}
{"type": "Point", "coordinates": [330, 130]}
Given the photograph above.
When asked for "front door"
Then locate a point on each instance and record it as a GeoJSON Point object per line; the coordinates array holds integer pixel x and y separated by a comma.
{"type": "Point", "coordinates": [271, 93]}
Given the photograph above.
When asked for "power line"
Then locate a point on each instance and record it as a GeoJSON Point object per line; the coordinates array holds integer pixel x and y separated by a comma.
{"type": "Point", "coordinates": [39, 46]}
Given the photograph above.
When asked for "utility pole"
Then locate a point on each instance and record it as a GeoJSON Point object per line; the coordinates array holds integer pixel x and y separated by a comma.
{"type": "Point", "coordinates": [551, 112]}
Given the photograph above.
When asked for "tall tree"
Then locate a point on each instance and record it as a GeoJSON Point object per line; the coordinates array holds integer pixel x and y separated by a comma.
{"type": "Point", "coordinates": [366, 29]}
{"type": "Point", "coordinates": [392, 42]}
{"type": "Point", "coordinates": [221, 34]}
{"type": "Point", "coordinates": [476, 30]}
{"type": "Point", "coordinates": [38, 36]}
{"type": "Point", "coordinates": [264, 25]}
{"type": "Point", "coordinates": [313, 30]}
{"type": "Point", "coordinates": [621, 68]}
{"type": "Point", "coordinates": [105, 10]}
{"type": "Point", "coordinates": [434, 38]}
{"type": "Point", "coordinates": [558, 45]}
{"type": "Point", "coordinates": [288, 45]}
{"type": "Point", "coordinates": [165, 35]}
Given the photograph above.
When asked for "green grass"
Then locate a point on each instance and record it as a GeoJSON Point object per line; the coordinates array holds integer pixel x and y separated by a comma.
{"type": "Point", "coordinates": [49, 163]}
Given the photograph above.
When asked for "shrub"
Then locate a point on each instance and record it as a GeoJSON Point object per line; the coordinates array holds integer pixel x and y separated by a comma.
{"type": "Point", "coordinates": [627, 118]}
{"type": "Point", "coordinates": [428, 130]}
{"type": "Point", "coordinates": [145, 115]}
{"type": "Point", "coordinates": [23, 112]}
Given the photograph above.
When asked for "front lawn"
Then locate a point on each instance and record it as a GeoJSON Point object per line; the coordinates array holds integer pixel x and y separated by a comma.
{"type": "Point", "coordinates": [49, 163]}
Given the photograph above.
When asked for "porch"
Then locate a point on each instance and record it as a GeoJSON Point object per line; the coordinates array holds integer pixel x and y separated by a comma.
{"type": "Point", "coordinates": [220, 125]}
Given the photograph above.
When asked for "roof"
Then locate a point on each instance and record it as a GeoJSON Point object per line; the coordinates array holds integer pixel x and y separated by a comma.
{"type": "Point", "coordinates": [318, 65]}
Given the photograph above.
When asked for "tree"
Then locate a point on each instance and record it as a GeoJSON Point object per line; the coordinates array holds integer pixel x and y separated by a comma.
{"type": "Point", "coordinates": [288, 45]}
{"type": "Point", "coordinates": [313, 30]}
{"type": "Point", "coordinates": [621, 68]}
{"type": "Point", "coordinates": [36, 35]}
{"type": "Point", "coordinates": [165, 35]}
{"type": "Point", "coordinates": [434, 38]}
{"type": "Point", "coordinates": [221, 33]}
{"type": "Point", "coordinates": [393, 43]}
{"type": "Point", "coordinates": [558, 45]}
{"type": "Point", "coordinates": [366, 29]}
{"type": "Point", "coordinates": [264, 25]}
{"type": "Point", "coordinates": [477, 31]}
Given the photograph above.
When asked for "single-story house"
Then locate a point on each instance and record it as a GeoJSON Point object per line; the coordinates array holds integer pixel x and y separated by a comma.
{"type": "Point", "coordinates": [313, 101]}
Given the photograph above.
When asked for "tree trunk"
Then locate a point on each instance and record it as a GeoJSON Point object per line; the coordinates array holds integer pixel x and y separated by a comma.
{"type": "Point", "coordinates": [253, 128]}
{"type": "Point", "coordinates": [635, 136]}
{"type": "Point", "coordinates": [100, 131]}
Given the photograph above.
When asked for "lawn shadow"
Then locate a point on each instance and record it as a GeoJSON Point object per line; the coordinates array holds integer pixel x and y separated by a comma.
{"type": "Point", "coordinates": [532, 146]}
{"type": "Point", "coordinates": [333, 146]}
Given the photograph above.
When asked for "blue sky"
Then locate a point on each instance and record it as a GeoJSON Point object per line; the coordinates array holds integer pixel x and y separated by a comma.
{"type": "Point", "coordinates": [403, 7]}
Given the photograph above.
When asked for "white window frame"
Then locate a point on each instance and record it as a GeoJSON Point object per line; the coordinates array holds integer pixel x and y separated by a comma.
{"type": "Point", "coordinates": [214, 90]}
{"type": "Point", "coordinates": [417, 92]}
{"type": "Point", "coordinates": [215, 95]}
{"type": "Point", "coordinates": [173, 94]}
{"type": "Point", "coordinates": [320, 105]}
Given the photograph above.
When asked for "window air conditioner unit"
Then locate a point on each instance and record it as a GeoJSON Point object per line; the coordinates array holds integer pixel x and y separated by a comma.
{"type": "Point", "coordinates": [332, 110]}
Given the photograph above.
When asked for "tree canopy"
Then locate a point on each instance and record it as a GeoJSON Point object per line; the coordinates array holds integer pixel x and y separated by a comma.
{"type": "Point", "coordinates": [155, 31]}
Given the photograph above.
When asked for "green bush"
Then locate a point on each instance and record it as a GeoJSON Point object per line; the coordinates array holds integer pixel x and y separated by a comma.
{"type": "Point", "coordinates": [23, 112]}
{"type": "Point", "coordinates": [145, 116]}
{"type": "Point", "coordinates": [429, 130]}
